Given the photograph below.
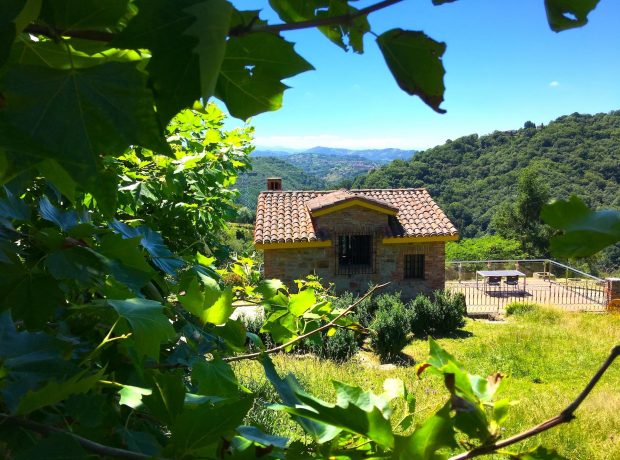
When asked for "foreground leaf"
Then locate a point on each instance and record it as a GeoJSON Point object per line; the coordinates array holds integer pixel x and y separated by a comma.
{"type": "Point", "coordinates": [42, 105]}
{"type": "Point", "coordinates": [567, 14]}
{"type": "Point", "coordinates": [585, 232]}
{"type": "Point", "coordinates": [415, 61]}
{"type": "Point", "coordinates": [251, 74]}
{"type": "Point", "coordinates": [150, 326]}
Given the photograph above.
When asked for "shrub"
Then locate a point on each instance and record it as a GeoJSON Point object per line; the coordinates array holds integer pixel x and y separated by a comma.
{"type": "Point", "coordinates": [390, 329]}
{"type": "Point", "coordinates": [452, 310]}
{"type": "Point", "coordinates": [339, 347]}
{"type": "Point", "coordinates": [363, 313]}
{"type": "Point", "coordinates": [443, 315]}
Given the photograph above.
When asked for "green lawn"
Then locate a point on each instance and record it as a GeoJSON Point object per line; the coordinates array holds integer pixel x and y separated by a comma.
{"type": "Point", "coordinates": [548, 356]}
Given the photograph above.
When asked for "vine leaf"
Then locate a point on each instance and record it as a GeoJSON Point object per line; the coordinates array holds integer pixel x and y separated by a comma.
{"type": "Point", "coordinates": [187, 42]}
{"type": "Point", "coordinates": [288, 389]}
{"type": "Point", "coordinates": [56, 391]}
{"type": "Point", "coordinates": [415, 62]}
{"type": "Point", "coordinates": [585, 231]}
{"type": "Point", "coordinates": [33, 298]}
{"type": "Point", "coordinates": [434, 434]}
{"type": "Point", "coordinates": [251, 74]}
{"type": "Point", "coordinates": [43, 105]}
{"type": "Point", "coordinates": [28, 360]}
{"type": "Point", "coordinates": [150, 326]}
{"type": "Point", "coordinates": [54, 447]}
{"type": "Point", "coordinates": [568, 14]}
{"type": "Point", "coordinates": [301, 10]}
{"type": "Point", "coordinates": [197, 431]}
{"type": "Point", "coordinates": [153, 243]}
{"type": "Point", "coordinates": [14, 17]}
{"type": "Point", "coordinates": [68, 15]}
{"type": "Point", "coordinates": [205, 299]}
{"type": "Point", "coordinates": [215, 378]}
{"type": "Point", "coordinates": [167, 398]}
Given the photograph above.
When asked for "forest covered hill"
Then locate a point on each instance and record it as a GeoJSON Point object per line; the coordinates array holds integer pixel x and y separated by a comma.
{"type": "Point", "coordinates": [332, 168]}
{"type": "Point", "coordinates": [252, 182]}
{"type": "Point", "coordinates": [472, 176]}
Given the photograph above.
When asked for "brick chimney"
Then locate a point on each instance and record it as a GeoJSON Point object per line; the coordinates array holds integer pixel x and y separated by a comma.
{"type": "Point", "coordinates": [274, 184]}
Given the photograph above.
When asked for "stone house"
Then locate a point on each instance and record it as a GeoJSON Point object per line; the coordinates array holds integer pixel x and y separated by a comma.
{"type": "Point", "coordinates": [354, 237]}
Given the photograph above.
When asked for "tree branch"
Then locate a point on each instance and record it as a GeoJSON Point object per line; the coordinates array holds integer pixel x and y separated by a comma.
{"type": "Point", "coordinates": [87, 444]}
{"type": "Point", "coordinates": [103, 36]}
{"type": "Point", "coordinates": [325, 326]}
{"type": "Point", "coordinates": [564, 417]}
{"type": "Point", "coordinates": [317, 22]}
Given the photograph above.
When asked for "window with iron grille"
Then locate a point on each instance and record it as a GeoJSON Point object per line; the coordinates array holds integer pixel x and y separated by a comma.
{"type": "Point", "coordinates": [355, 254]}
{"type": "Point", "coordinates": [414, 266]}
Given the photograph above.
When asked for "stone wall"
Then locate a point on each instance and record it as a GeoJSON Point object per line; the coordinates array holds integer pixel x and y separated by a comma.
{"type": "Point", "coordinates": [291, 264]}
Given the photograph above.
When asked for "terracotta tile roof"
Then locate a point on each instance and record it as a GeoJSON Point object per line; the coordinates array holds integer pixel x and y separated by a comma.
{"type": "Point", "coordinates": [284, 216]}
{"type": "Point", "coordinates": [329, 199]}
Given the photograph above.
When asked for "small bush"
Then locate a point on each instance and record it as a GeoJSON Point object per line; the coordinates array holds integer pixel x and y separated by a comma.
{"type": "Point", "coordinates": [520, 308]}
{"type": "Point", "coordinates": [340, 347]}
{"type": "Point", "coordinates": [443, 315]}
{"type": "Point", "coordinates": [363, 313]}
{"type": "Point", "coordinates": [390, 328]}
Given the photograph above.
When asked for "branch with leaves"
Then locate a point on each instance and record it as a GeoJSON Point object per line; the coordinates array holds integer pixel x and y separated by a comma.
{"type": "Point", "coordinates": [330, 324]}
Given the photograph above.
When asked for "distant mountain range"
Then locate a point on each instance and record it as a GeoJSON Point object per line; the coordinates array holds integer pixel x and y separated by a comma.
{"type": "Point", "coordinates": [375, 155]}
{"type": "Point", "coordinates": [317, 168]}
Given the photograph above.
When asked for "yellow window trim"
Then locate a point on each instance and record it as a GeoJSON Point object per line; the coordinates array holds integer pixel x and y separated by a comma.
{"type": "Point", "coordinates": [348, 204]}
{"type": "Point", "coordinates": [420, 239]}
{"type": "Point", "coordinates": [293, 245]}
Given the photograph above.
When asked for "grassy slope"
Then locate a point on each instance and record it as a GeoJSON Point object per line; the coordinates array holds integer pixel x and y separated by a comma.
{"type": "Point", "coordinates": [548, 356]}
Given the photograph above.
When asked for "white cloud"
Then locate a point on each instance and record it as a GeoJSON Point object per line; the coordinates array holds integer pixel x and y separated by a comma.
{"type": "Point", "coordinates": [554, 84]}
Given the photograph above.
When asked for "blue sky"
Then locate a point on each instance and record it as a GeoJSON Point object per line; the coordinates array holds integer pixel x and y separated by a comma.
{"type": "Point", "coordinates": [504, 67]}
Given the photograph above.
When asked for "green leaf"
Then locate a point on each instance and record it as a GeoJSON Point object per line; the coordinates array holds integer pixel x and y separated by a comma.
{"type": "Point", "coordinates": [64, 220]}
{"type": "Point", "coordinates": [28, 360]}
{"type": "Point", "coordinates": [302, 10]}
{"type": "Point", "coordinates": [69, 15]}
{"type": "Point", "coordinates": [54, 447]}
{"type": "Point", "coordinates": [43, 104]}
{"type": "Point", "coordinates": [153, 243]}
{"type": "Point", "coordinates": [125, 250]}
{"type": "Point", "coordinates": [33, 299]}
{"type": "Point", "coordinates": [56, 391]}
{"type": "Point", "coordinates": [187, 40]}
{"type": "Point", "coordinates": [355, 411]}
{"type": "Point", "coordinates": [585, 232]}
{"type": "Point", "coordinates": [415, 61]}
{"type": "Point", "coordinates": [13, 208]}
{"type": "Point", "coordinates": [150, 326]}
{"type": "Point", "coordinates": [220, 311]}
{"type": "Point", "coordinates": [434, 434]}
{"type": "Point", "coordinates": [567, 14]}
{"type": "Point", "coordinates": [197, 432]}
{"type": "Point", "coordinates": [215, 378]}
{"type": "Point", "coordinates": [249, 81]}
{"type": "Point", "coordinates": [288, 389]}
{"type": "Point", "coordinates": [211, 30]}
{"type": "Point", "coordinates": [255, 435]}
{"type": "Point", "coordinates": [269, 288]}
{"type": "Point", "coordinates": [132, 396]}
{"type": "Point", "coordinates": [302, 302]}
{"type": "Point", "coordinates": [14, 17]}
{"type": "Point", "coordinates": [205, 299]}
{"type": "Point", "coordinates": [167, 399]}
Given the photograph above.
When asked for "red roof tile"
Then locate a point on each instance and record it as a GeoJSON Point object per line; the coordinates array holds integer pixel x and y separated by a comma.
{"type": "Point", "coordinates": [285, 216]}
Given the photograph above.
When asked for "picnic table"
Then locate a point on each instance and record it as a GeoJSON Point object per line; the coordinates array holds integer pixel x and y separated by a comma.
{"type": "Point", "coordinates": [488, 275]}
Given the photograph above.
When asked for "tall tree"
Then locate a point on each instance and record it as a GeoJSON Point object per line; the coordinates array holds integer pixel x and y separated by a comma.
{"type": "Point", "coordinates": [520, 219]}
